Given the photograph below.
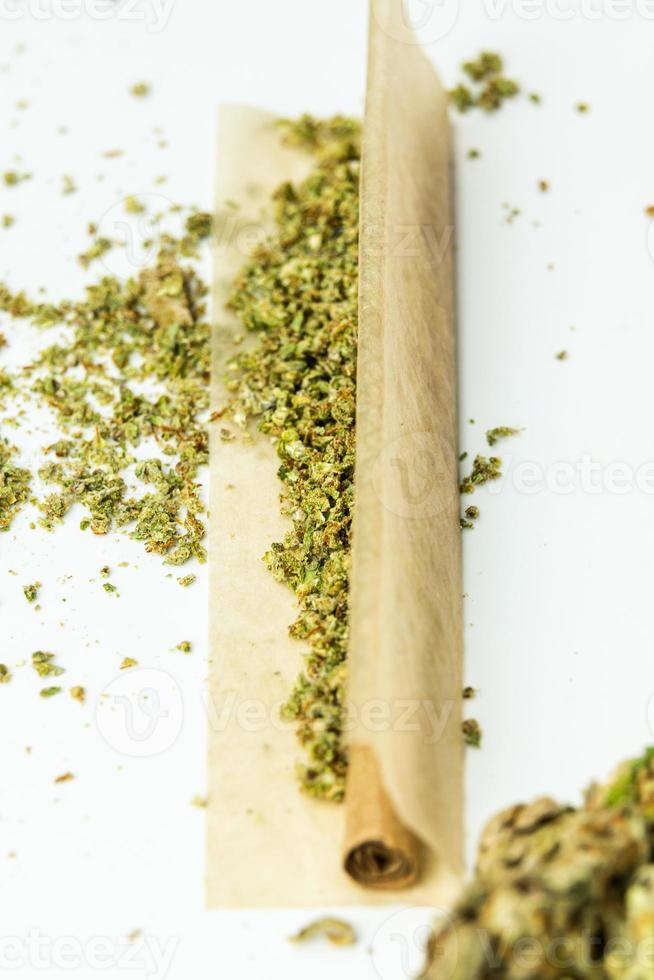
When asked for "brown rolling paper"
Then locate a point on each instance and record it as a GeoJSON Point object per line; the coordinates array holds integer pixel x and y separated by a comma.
{"type": "Point", "coordinates": [267, 843]}
{"type": "Point", "coordinates": [380, 851]}
{"type": "Point", "coordinates": [405, 781]}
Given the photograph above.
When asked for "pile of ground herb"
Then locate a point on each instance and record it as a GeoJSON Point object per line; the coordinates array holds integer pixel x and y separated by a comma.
{"type": "Point", "coordinates": [486, 87]}
{"type": "Point", "coordinates": [299, 295]}
{"type": "Point", "coordinates": [560, 892]}
{"type": "Point", "coordinates": [127, 383]}
{"type": "Point", "coordinates": [14, 485]}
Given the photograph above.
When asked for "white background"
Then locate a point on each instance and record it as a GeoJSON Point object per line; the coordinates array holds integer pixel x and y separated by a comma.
{"type": "Point", "coordinates": [559, 637]}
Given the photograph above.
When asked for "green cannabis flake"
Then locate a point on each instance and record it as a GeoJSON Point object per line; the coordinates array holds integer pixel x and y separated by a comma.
{"type": "Point", "coordinates": [490, 87]}
{"type": "Point", "coordinates": [500, 432]}
{"type": "Point", "coordinates": [31, 591]}
{"type": "Point", "coordinates": [43, 663]}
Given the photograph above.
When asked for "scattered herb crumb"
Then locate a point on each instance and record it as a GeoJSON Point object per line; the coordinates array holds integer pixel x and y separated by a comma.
{"type": "Point", "coordinates": [500, 432]}
{"type": "Point", "coordinates": [13, 177]}
{"type": "Point", "coordinates": [134, 206]}
{"type": "Point", "coordinates": [31, 591]}
{"type": "Point", "coordinates": [337, 931]}
{"type": "Point", "coordinates": [49, 692]}
{"type": "Point", "coordinates": [299, 295]}
{"type": "Point", "coordinates": [483, 470]}
{"type": "Point", "coordinates": [43, 663]}
{"type": "Point", "coordinates": [472, 733]}
{"type": "Point", "coordinates": [490, 87]}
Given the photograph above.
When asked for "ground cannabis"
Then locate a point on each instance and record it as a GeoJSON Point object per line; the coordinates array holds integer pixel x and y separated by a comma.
{"type": "Point", "coordinates": [14, 486]}
{"type": "Point", "coordinates": [127, 377]}
{"type": "Point", "coordinates": [483, 470]}
{"type": "Point", "coordinates": [560, 892]}
{"type": "Point", "coordinates": [31, 591]}
{"type": "Point", "coordinates": [490, 87]}
{"type": "Point", "coordinates": [43, 663]}
{"type": "Point", "coordinates": [299, 295]}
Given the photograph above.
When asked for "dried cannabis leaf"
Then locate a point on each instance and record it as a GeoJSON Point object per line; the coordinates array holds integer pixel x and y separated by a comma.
{"type": "Point", "coordinates": [299, 295]}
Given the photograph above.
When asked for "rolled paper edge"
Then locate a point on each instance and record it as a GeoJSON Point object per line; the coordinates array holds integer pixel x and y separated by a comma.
{"type": "Point", "coordinates": [380, 852]}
